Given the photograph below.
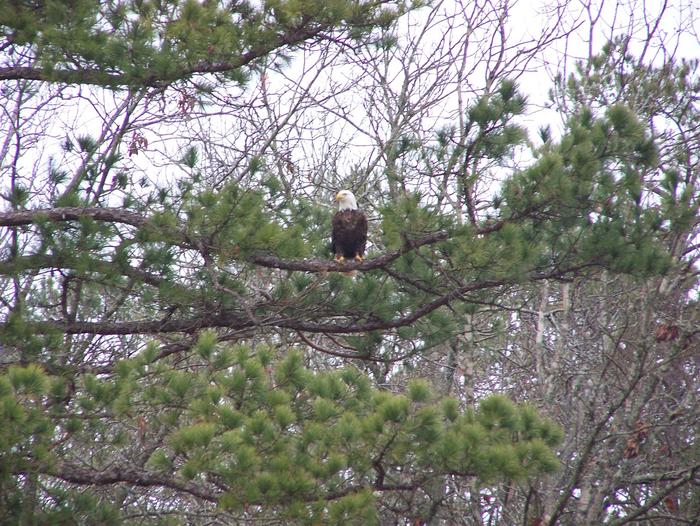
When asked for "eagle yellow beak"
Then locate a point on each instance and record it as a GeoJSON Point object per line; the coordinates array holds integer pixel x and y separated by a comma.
{"type": "Point", "coordinates": [338, 196]}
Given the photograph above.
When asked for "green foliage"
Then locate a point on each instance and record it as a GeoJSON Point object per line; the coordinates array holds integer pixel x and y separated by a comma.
{"type": "Point", "coordinates": [582, 198]}
{"type": "Point", "coordinates": [236, 225]}
{"type": "Point", "coordinates": [234, 422]}
{"type": "Point", "coordinates": [419, 391]}
{"type": "Point", "coordinates": [228, 424]}
{"type": "Point", "coordinates": [26, 432]}
{"type": "Point", "coordinates": [663, 95]}
{"type": "Point", "coordinates": [493, 117]}
{"type": "Point", "coordinates": [407, 219]}
{"type": "Point", "coordinates": [135, 43]}
{"type": "Point", "coordinates": [490, 136]}
{"type": "Point", "coordinates": [190, 157]}
{"type": "Point", "coordinates": [30, 380]}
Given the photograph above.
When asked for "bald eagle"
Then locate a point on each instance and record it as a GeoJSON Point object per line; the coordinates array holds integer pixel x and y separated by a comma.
{"type": "Point", "coordinates": [349, 235]}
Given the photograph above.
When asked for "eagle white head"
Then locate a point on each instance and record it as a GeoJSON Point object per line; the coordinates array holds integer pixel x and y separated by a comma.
{"type": "Point", "coordinates": [346, 200]}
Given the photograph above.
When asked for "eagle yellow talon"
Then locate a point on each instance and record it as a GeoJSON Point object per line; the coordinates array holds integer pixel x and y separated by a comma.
{"type": "Point", "coordinates": [358, 258]}
{"type": "Point", "coordinates": [340, 259]}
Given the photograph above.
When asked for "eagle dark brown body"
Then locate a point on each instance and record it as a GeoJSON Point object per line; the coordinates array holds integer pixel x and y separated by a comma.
{"type": "Point", "coordinates": [349, 235]}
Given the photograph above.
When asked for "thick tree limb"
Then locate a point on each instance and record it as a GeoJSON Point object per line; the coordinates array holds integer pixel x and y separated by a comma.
{"type": "Point", "coordinates": [145, 478]}
{"type": "Point", "coordinates": [323, 265]}
{"type": "Point", "coordinates": [71, 213]}
{"type": "Point", "coordinates": [124, 474]}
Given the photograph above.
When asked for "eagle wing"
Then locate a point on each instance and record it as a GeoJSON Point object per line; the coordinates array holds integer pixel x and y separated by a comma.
{"type": "Point", "coordinates": [362, 230]}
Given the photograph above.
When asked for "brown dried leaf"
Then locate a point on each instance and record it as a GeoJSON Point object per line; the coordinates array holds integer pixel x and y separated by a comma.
{"type": "Point", "coordinates": [666, 332]}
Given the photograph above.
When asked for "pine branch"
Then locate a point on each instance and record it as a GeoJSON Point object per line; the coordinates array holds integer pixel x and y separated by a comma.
{"type": "Point", "coordinates": [145, 478]}
{"type": "Point", "coordinates": [352, 356]}
{"type": "Point", "coordinates": [41, 261]}
{"type": "Point", "coordinates": [97, 76]}
{"type": "Point", "coordinates": [238, 321]}
{"type": "Point", "coordinates": [119, 215]}
{"type": "Point", "coordinates": [119, 474]}
{"type": "Point", "coordinates": [71, 213]}
{"type": "Point", "coordinates": [323, 265]}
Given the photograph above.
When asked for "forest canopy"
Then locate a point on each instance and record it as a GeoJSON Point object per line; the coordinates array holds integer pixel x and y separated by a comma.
{"type": "Point", "coordinates": [179, 346]}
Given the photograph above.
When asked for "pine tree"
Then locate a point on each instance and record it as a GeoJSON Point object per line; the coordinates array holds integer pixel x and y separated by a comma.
{"type": "Point", "coordinates": [184, 348]}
